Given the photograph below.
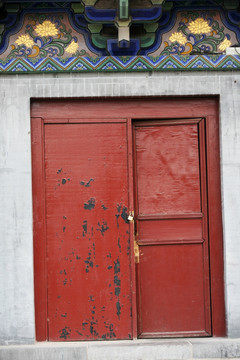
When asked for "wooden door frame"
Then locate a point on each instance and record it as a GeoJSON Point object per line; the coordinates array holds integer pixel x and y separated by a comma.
{"type": "Point", "coordinates": [130, 108]}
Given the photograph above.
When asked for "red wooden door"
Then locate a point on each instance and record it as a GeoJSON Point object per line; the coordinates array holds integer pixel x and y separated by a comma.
{"type": "Point", "coordinates": [172, 230]}
{"type": "Point", "coordinates": [83, 190]}
{"type": "Point", "coordinates": [87, 232]}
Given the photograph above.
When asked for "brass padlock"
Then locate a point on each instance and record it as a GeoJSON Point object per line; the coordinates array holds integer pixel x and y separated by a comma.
{"type": "Point", "coordinates": [131, 216]}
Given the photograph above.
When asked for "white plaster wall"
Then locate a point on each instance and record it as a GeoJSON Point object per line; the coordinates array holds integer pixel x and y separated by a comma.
{"type": "Point", "coordinates": [16, 244]}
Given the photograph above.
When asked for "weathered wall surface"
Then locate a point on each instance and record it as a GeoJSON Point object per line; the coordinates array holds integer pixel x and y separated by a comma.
{"type": "Point", "coordinates": [16, 244]}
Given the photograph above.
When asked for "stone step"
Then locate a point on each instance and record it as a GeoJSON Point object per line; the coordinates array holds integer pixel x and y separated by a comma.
{"type": "Point", "coordinates": [168, 349]}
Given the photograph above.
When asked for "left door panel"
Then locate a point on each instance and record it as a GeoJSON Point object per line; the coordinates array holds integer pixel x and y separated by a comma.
{"type": "Point", "coordinates": [87, 232]}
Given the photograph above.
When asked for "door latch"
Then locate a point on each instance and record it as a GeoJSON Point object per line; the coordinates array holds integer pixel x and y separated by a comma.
{"type": "Point", "coordinates": [136, 251]}
{"type": "Point", "coordinates": [136, 246]}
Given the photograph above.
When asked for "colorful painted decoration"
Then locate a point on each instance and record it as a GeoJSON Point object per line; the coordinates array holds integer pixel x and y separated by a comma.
{"type": "Point", "coordinates": [85, 33]}
{"type": "Point", "coordinates": [123, 63]}
{"type": "Point", "coordinates": [198, 32]}
{"type": "Point", "coordinates": [46, 36]}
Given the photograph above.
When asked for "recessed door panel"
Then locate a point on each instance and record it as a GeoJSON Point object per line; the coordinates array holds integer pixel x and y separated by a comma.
{"type": "Point", "coordinates": [168, 169]}
{"type": "Point", "coordinates": [172, 290]}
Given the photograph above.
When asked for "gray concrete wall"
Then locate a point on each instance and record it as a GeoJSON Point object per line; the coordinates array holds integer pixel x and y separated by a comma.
{"type": "Point", "coordinates": [16, 244]}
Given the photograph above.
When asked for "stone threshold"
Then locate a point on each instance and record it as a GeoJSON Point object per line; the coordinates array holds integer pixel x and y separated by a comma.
{"type": "Point", "coordinates": [163, 349]}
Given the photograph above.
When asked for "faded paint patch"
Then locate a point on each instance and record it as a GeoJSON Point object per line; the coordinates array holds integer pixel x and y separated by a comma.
{"type": "Point", "coordinates": [65, 333]}
{"type": "Point", "coordinates": [86, 184]}
{"type": "Point", "coordinates": [117, 283]}
{"type": "Point", "coordinates": [84, 226]}
{"type": "Point", "coordinates": [102, 227]}
{"type": "Point", "coordinates": [90, 204]}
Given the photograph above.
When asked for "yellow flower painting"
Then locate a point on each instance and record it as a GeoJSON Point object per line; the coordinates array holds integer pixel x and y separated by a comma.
{"type": "Point", "coordinates": [72, 48]}
{"type": "Point", "coordinates": [225, 44]}
{"type": "Point", "coordinates": [199, 26]}
{"type": "Point", "coordinates": [47, 28]}
{"type": "Point", "coordinates": [25, 40]}
{"type": "Point", "coordinates": [178, 37]}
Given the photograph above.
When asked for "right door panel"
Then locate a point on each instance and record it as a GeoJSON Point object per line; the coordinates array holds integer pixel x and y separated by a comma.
{"type": "Point", "coordinates": [172, 228]}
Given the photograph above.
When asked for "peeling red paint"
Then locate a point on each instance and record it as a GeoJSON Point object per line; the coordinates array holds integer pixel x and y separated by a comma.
{"type": "Point", "coordinates": [92, 288]}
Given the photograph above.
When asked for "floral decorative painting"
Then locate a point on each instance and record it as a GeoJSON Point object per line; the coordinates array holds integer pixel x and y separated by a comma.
{"type": "Point", "coordinates": [197, 32]}
{"type": "Point", "coordinates": [47, 36]}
